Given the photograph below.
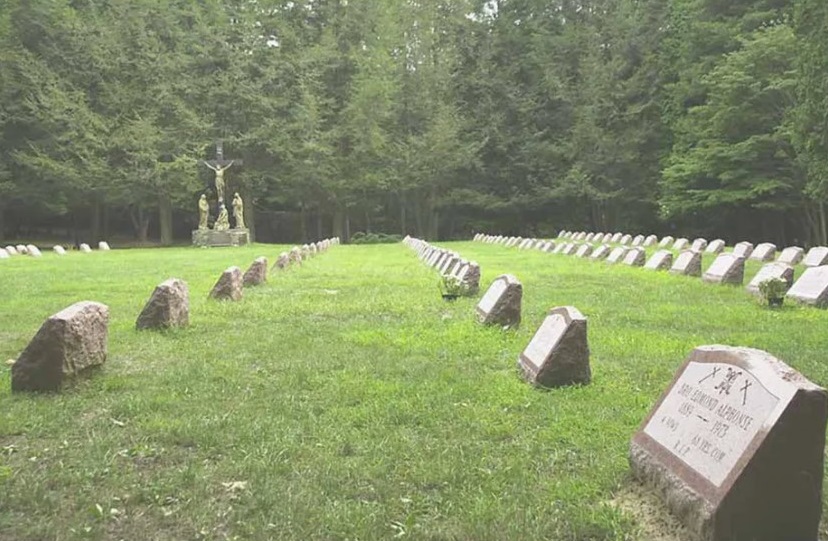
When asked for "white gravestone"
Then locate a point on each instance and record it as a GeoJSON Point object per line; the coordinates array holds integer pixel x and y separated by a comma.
{"type": "Point", "coordinates": [699, 245]}
{"type": "Point", "coordinates": [688, 263]}
{"type": "Point", "coordinates": [666, 242]}
{"type": "Point", "coordinates": [617, 254]}
{"type": "Point", "coordinates": [681, 244]}
{"type": "Point", "coordinates": [743, 249]}
{"type": "Point", "coordinates": [792, 255]}
{"type": "Point", "coordinates": [817, 256]}
{"type": "Point", "coordinates": [782, 271]}
{"type": "Point", "coordinates": [812, 287]}
{"type": "Point", "coordinates": [636, 257]}
{"type": "Point", "coordinates": [715, 247]}
{"type": "Point", "coordinates": [661, 260]}
{"type": "Point", "coordinates": [584, 250]}
{"type": "Point", "coordinates": [726, 269]}
{"type": "Point", "coordinates": [558, 353]}
{"type": "Point", "coordinates": [501, 304]}
{"type": "Point", "coordinates": [764, 252]}
{"type": "Point", "coordinates": [600, 252]}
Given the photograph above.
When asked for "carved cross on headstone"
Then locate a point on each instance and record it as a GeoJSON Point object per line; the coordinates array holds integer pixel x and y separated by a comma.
{"type": "Point", "coordinates": [219, 165]}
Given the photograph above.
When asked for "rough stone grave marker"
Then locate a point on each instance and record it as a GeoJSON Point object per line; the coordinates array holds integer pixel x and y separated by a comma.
{"type": "Point", "coordinates": [59, 250]}
{"type": "Point", "coordinates": [3, 253]}
{"type": "Point", "coordinates": [783, 271]}
{"type": "Point", "coordinates": [558, 353]}
{"type": "Point", "coordinates": [726, 269]}
{"type": "Point", "coordinates": [635, 257]}
{"type": "Point", "coordinates": [169, 306]}
{"type": "Point", "coordinates": [501, 304]}
{"type": "Point", "coordinates": [256, 274]}
{"type": "Point", "coordinates": [792, 255]}
{"type": "Point", "coordinates": [812, 287]}
{"type": "Point", "coordinates": [735, 447]}
{"type": "Point", "coordinates": [661, 260]}
{"type": "Point", "coordinates": [688, 263]}
{"type": "Point", "coordinates": [229, 285]}
{"type": "Point", "coordinates": [69, 343]}
{"type": "Point", "coordinates": [764, 252]}
{"type": "Point", "coordinates": [666, 242]}
{"type": "Point", "coordinates": [617, 254]}
{"type": "Point", "coordinates": [11, 250]}
{"type": "Point", "coordinates": [715, 247]}
{"type": "Point", "coordinates": [816, 257]}
{"type": "Point", "coordinates": [743, 249]}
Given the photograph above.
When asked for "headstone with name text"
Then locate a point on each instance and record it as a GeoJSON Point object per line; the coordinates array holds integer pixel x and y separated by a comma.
{"type": "Point", "coordinates": [735, 447]}
{"type": "Point", "coordinates": [558, 353]}
{"type": "Point", "coordinates": [501, 304]}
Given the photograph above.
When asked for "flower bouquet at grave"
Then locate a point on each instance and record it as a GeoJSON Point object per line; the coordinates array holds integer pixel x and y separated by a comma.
{"type": "Point", "coordinates": [452, 287]}
{"type": "Point", "coordinates": [773, 291]}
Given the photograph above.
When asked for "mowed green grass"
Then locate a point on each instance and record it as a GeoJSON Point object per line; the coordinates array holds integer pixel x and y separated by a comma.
{"type": "Point", "coordinates": [347, 400]}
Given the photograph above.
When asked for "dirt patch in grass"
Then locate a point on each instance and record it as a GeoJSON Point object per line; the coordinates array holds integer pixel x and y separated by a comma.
{"type": "Point", "coordinates": [653, 519]}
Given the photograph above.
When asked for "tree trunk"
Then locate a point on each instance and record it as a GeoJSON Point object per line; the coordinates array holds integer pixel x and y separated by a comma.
{"type": "Point", "coordinates": [403, 225]}
{"type": "Point", "coordinates": [2, 223]}
{"type": "Point", "coordinates": [823, 229]}
{"type": "Point", "coordinates": [165, 220]}
{"type": "Point", "coordinates": [140, 222]}
{"type": "Point", "coordinates": [303, 225]}
{"type": "Point", "coordinates": [105, 221]}
{"type": "Point", "coordinates": [347, 238]}
{"type": "Point", "coordinates": [338, 220]}
{"type": "Point", "coordinates": [319, 224]}
{"type": "Point", "coordinates": [95, 224]}
{"type": "Point", "coordinates": [249, 215]}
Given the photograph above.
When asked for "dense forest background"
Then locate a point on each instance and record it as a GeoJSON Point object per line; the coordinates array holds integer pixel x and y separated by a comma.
{"type": "Point", "coordinates": [436, 118]}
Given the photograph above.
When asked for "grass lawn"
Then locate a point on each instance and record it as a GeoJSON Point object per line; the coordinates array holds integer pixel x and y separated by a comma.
{"type": "Point", "coordinates": [347, 400]}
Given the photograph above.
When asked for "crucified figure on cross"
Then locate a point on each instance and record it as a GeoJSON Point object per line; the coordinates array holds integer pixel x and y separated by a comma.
{"type": "Point", "coordinates": [219, 178]}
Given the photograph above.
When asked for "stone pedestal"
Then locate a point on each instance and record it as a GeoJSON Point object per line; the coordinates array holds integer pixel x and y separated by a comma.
{"type": "Point", "coordinates": [230, 237]}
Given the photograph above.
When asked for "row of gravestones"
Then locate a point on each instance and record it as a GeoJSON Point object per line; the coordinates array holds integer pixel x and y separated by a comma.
{"type": "Point", "coordinates": [449, 264]}
{"type": "Point", "coordinates": [34, 251]}
{"type": "Point", "coordinates": [734, 445]}
{"type": "Point", "coordinates": [74, 340]}
{"type": "Point", "coordinates": [728, 268]}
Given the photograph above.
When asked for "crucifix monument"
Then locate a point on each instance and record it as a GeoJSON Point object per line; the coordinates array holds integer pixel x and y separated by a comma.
{"type": "Point", "coordinates": [221, 234]}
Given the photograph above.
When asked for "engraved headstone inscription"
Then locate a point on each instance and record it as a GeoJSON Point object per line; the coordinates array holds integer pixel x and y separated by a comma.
{"type": "Point", "coordinates": [812, 287]}
{"type": "Point", "coordinates": [501, 304]}
{"type": "Point", "coordinates": [735, 447]}
{"type": "Point", "coordinates": [726, 269]}
{"type": "Point", "coordinates": [558, 353]}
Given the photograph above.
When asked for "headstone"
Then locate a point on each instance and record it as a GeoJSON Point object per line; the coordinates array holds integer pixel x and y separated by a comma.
{"type": "Point", "coordinates": [558, 353]}
{"type": "Point", "coordinates": [607, 237]}
{"type": "Point", "coordinates": [559, 248]}
{"type": "Point", "coordinates": [589, 237]}
{"type": "Point", "coordinates": [581, 236]}
{"type": "Point", "coordinates": [816, 257]}
{"type": "Point", "coordinates": [59, 250]}
{"type": "Point", "coordinates": [726, 269]}
{"type": "Point", "coordinates": [470, 276]}
{"type": "Point", "coordinates": [257, 273]}
{"type": "Point", "coordinates": [11, 250]}
{"type": "Point", "coordinates": [549, 247]}
{"type": "Point", "coordinates": [792, 255]}
{"type": "Point", "coordinates": [616, 238]}
{"type": "Point", "coordinates": [305, 251]}
{"type": "Point", "coordinates": [666, 242]}
{"type": "Point", "coordinates": [782, 271]}
{"type": "Point", "coordinates": [687, 263]}
{"type": "Point", "coordinates": [743, 249]}
{"type": "Point", "coordinates": [103, 246]}
{"type": "Point", "coordinates": [3, 253]}
{"type": "Point", "coordinates": [699, 245]}
{"type": "Point", "coordinates": [681, 244]}
{"type": "Point", "coordinates": [617, 254]}
{"type": "Point", "coordinates": [169, 306]}
{"type": "Point", "coordinates": [68, 343]}
{"type": "Point", "coordinates": [635, 257]}
{"type": "Point", "coordinates": [764, 252]}
{"type": "Point", "coordinates": [715, 247]}
{"type": "Point", "coordinates": [652, 240]}
{"type": "Point", "coordinates": [661, 260]}
{"type": "Point", "coordinates": [21, 249]}
{"type": "Point", "coordinates": [638, 241]}
{"type": "Point", "coordinates": [33, 250]}
{"type": "Point", "coordinates": [600, 252]}
{"type": "Point", "coordinates": [295, 255]}
{"type": "Point", "coordinates": [626, 239]}
{"type": "Point", "coordinates": [735, 447]}
{"type": "Point", "coordinates": [501, 304]}
{"type": "Point", "coordinates": [562, 233]}
{"type": "Point", "coordinates": [282, 261]}
{"type": "Point", "coordinates": [569, 249]}
{"type": "Point", "coordinates": [229, 285]}
{"type": "Point", "coordinates": [85, 248]}
{"type": "Point", "coordinates": [812, 287]}
{"type": "Point", "coordinates": [584, 250]}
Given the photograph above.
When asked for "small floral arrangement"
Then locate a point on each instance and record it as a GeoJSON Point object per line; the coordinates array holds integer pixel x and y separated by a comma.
{"type": "Point", "coordinates": [773, 290]}
{"type": "Point", "coordinates": [452, 286]}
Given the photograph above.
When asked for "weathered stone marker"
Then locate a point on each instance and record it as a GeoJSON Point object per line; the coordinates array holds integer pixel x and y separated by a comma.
{"type": "Point", "coordinates": [726, 269]}
{"type": "Point", "coordinates": [558, 353]}
{"type": "Point", "coordinates": [715, 247]}
{"type": "Point", "coordinates": [11, 250]}
{"type": "Point", "coordinates": [635, 257]}
{"type": "Point", "coordinates": [764, 252]}
{"type": "Point", "coordinates": [652, 240]}
{"type": "Point", "coordinates": [282, 261]}
{"type": "Point", "coordinates": [782, 271]}
{"type": "Point", "coordinates": [699, 245]}
{"type": "Point", "coordinates": [617, 254]}
{"type": "Point", "coordinates": [661, 260]}
{"type": "Point", "coordinates": [501, 305]}
{"type": "Point", "coordinates": [68, 343]}
{"type": "Point", "coordinates": [85, 248]}
{"type": "Point", "coordinates": [792, 255]}
{"type": "Point", "coordinates": [616, 238]}
{"type": "Point", "coordinates": [229, 285]}
{"type": "Point", "coordinates": [33, 250]}
{"type": "Point", "coordinates": [735, 446]}
{"type": "Point", "coordinates": [743, 249]}
{"type": "Point", "coordinates": [103, 246]}
{"type": "Point", "coordinates": [681, 244]}
{"type": "Point", "coordinates": [569, 249]}
{"type": "Point", "coordinates": [470, 277]}
{"type": "Point", "coordinates": [257, 273]}
{"type": "Point", "coordinates": [688, 263]}
{"type": "Point", "coordinates": [600, 252]}
{"type": "Point", "coordinates": [817, 256]}
{"type": "Point", "coordinates": [169, 306]}
{"type": "Point", "coordinates": [812, 287]}
{"type": "Point", "coordinates": [584, 250]}
{"type": "Point", "coordinates": [3, 253]}
{"type": "Point", "coordinates": [626, 240]}
{"type": "Point", "coordinates": [59, 250]}
{"type": "Point", "coordinates": [638, 241]}
{"type": "Point", "coordinates": [666, 242]}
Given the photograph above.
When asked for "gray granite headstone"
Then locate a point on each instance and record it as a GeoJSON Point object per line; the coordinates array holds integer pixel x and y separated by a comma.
{"type": "Point", "coordinates": [558, 353]}
{"type": "Point", "coordinates": [636, 257]}
{"type": "Point", "coordinates": [616, 238]}
{"type": "Point", "coordinates": [661, 260]}
{"type": "Point", "coordinates": [764, 252]}
{"type": "Point", "coordinates": [569, 249]}
{"type": "Point", "coordinates": [584, 250]}
{"type": "Point", "coordinates": [617, 254]}
{"type": "Point", "coordinates": [726, 269]}
{"type": "Point", "coordinates": [735, 447]}
{"type": "Point", "coordinates": [681, 244]}
{"type": "Point", "coordinates": [666, 242]}
{"type": "Point", "coordinates": [816, 257]}
{"type": "Point", "coordinates": [601, 252]}
{"type": "Point", "coordinates": [782, 271]}
{"type": "Point", "coordinates": [792, 255]}
{"type": "Point", "coordinates": [715, 247]}
{"type": "Point", "coordinates": [651, 240]}
{"type": "Point", "coordinates": [638, 241]}
{"type": "Point", "coordinates": [699, 245]}
{"type": "Point", "coordinates": [626, 240]}
{"type": "Point", "coordinates": [501, 304]}
{"type": "Point", "coordinates": [812, 287]}
{"type": "Point", "coordinates": [69, 343]}
{"type": "Point", "coordinates": [743, 249]}
{"type": "Point", "coordinates": [688, 263]}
